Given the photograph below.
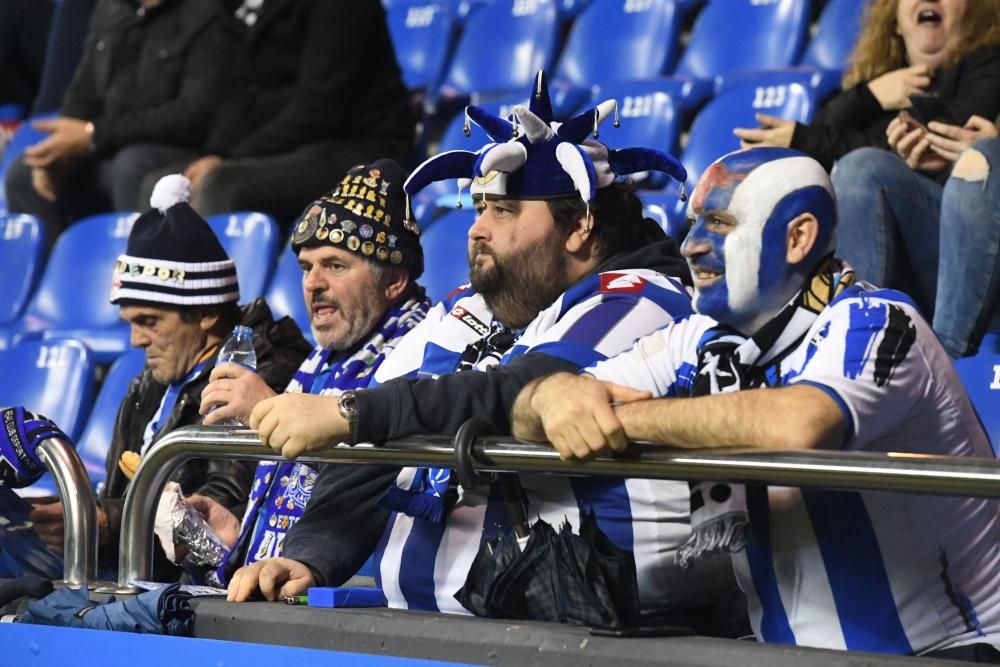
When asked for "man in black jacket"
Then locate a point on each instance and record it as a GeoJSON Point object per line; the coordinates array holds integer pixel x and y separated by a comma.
{"type": "Point", "coordinates": [142, 97]}
{"type": "Point", "coordinates": [564, 270]}
{"type": "Point", "coordinates": [178, 290]}
{"type": "Point", "coordinates": [313, 90]}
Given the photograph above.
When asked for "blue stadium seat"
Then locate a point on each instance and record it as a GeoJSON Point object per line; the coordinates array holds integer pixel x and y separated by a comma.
{"type": "Point", "coordinates": [445, 244]}
{"type": "Point", "coordinates": [503, 45]}
{"type": "Point", "coordinates": [22, 256]}
{"type": "Point", "coordinates": [648, 119]}
{"type": "Point", "coordinates": [981, 376]}
{"type": "Point", "coordinates": [53, 377]}
{"type": "Point", "coordinates": [11, 112]}
{"type": "Point", "coordinates": [421, 34]}
{"type": "Point", "coordinates": [836, 33]}
{"type": "Point", "coordinates": [284, 296]}
{"type": "Point", "coordinates": [24, 136]}
{"type": "Point", "coordinates": [96, 439]}
{"type": "Point", "coordinates": [711, 134]}
{"type": "Point", "coordinates": [667, 210]}
{"type": "Point", "coordinates": [731, 35]}
{"type": "Point", "coordinates": [825, 58]}
{"type": "Point", "coordinates": [570, 9]}
{"type": "Point", "coordinates": [72, 299]}
{"type": "Point", "coordinates": [251, 241]}
{"type": "Point", "coordinates": [644, 43]}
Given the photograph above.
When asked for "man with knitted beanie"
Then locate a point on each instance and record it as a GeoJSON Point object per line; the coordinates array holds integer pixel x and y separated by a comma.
{"type": "Point", "coordinates": [178, 290]}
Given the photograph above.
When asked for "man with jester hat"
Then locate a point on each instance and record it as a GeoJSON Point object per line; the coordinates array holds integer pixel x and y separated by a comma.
{"type": "Point", "coordinates": [835, 364]}
{"type": "Point", "coordinates": [360, 260]}
{"type": "Point", "coordinates": [564, 272]}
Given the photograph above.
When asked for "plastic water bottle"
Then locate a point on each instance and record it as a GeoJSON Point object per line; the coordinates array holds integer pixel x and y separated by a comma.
{"type": "Point", "coordinates": [238, 350]}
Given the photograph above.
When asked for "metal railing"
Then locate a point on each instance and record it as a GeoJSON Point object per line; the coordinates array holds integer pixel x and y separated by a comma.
{"type": "Point", "coordinates": [835, 470]}
{"type": "Point", "coordinates": [79, 510]}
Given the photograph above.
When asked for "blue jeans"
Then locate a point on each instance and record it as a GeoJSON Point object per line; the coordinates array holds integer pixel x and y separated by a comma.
{"type": "Point", "coordinates": [902, 230]}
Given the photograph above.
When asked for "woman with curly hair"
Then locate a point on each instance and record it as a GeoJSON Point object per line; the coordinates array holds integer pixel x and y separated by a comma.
{"type": "Point", "coordinates": [907, 219]}
{"type": "Point", "coordinates": [950, 48]}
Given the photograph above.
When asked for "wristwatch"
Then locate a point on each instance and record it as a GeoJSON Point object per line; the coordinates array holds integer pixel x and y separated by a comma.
{"type": "Point", "coordinates": [349, 407]}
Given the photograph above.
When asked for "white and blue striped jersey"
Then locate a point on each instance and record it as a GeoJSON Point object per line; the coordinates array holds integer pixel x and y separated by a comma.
{"type": "Point", "coordinates": [421, 564]}
{"type": "Point", "coordinates": [871, 571]}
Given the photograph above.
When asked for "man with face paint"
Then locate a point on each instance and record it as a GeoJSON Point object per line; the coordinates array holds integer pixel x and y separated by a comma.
{"type": "Point", "coordinates": [835, 364]}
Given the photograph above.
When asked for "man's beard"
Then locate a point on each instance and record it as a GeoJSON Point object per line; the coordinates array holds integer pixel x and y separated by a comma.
{"type": "Point", "coordinates": [522, 284]}
{"type": "Point", "coordinates": [363, 319]}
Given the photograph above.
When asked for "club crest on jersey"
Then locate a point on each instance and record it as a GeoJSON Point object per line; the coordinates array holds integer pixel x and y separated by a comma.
{"type": "Point", "coordinates": [622, 282]}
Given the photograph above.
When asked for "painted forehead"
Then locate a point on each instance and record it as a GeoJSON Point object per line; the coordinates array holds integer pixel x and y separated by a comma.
{"type": "Point", "coordinates": [716, 188]}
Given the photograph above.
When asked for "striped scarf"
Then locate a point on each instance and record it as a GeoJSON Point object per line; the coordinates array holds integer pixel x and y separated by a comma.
{"type": "Point", "coordinates": [432, 492]}
{"type": "Point", "coordinates": [729, 361]}
{"type": "Point", "coordinates": [280, 489]}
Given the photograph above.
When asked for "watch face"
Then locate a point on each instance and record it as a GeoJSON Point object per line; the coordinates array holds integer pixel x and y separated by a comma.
{"type": "Point", "coordinates": [348, 406]}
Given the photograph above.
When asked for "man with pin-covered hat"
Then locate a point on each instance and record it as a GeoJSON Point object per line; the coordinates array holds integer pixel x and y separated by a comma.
{"type": "Point", "coordinates": [360, 262]}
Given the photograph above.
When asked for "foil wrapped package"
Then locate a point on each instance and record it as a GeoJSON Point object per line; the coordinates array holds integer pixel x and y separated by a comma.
{"type": "Point", "coordinates": [185, 535]}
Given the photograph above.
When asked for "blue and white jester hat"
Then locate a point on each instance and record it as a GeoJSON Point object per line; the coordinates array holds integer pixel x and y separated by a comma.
{"type": "Point", "coordinates": [533, 157]}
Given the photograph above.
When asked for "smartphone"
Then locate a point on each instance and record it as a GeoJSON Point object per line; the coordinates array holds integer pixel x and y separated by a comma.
{"type": "Point", "coordinates": [928, 107]}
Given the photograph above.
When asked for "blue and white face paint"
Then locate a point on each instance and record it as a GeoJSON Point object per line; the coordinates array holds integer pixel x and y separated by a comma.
{"type": "Point", "coordinates": [737, 246]}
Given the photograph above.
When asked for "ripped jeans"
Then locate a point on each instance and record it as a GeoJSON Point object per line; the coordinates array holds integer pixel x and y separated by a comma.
{"type": "Point", "coordinates": [940, 245]}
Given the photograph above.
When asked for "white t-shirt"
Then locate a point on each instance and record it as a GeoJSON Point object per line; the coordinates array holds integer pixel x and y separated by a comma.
{"type": "Point", "coordinates": [876, 571]}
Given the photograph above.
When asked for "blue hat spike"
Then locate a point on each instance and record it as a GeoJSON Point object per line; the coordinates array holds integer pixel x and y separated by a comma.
{"type": "Point", "coordinates": [633, 160]}
{"type": "Point", "coordinates": [540, 104]}
{"type": "Point", "coordinates": [577, 128]}
{"type": "Point", "coordinates": [498, 129]}
{"type": "Point", "coordinates": [467, 125]}
{"type": "Point", "coordinates": [450, 164]}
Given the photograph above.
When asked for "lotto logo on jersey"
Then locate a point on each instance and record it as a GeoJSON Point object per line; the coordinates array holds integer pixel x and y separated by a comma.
{"type": "Point", "coordinates": [622, 282]}
{"type": "Point", "coordinates": [469, 320]}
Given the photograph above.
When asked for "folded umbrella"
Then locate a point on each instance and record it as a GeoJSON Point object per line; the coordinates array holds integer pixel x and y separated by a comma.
{"type": "Point", "coordinates": [558, 576]}
{"type": "Point", "coordinates": [165, 610]}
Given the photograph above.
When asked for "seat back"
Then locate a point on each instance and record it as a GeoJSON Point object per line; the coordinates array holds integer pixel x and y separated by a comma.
{"type": "Point", "coordinates": [250, 239]}
{"type": "Point", "coordinates": [644, 43]}
{"type": "Point", "coordinates": [667, 210]}
{"type": "Point", "coordinates": [502, 47]}
{"type": "Point", "coordinates": [981, 376]}
{"type": "Point", "coordinates": [711, 134]}
{"type": "Point", "coordinates": [76, 283]}
{"type": "Point", "coordinates": [421, 35]}
{"type": "Point", "coordinates": [836, 33]}
{"type": "Point", "coordinates": [284, 295]}
{"type": "Point", "coordinates": [648, 116]}
{"type": "Point", "coordinates": [96, 439]}
{"type": "Point", "coordinates": [732, 35]}
{"type": "Point", "coordinates": [22, 256]}
{"type": "Point", "coordinates": [445, 251]}
{"type": "Point", "coordinates": [52, 377]}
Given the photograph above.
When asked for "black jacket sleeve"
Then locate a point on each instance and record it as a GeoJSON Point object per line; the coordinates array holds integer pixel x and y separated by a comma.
{"type": "Point", "coordinates": [404, 407]}
{"type": "Point", "coordinates": [852, 119]}
{"type": "Point", "coordinates": [341, 525]}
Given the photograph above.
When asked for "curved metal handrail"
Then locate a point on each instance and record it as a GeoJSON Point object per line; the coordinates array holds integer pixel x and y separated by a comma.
{"type": "Point", "coordinates": [838, 470]}
{"type": "Point", "coordinates": [79, 510]}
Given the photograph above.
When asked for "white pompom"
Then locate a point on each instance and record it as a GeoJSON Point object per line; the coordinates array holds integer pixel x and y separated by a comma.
{"type": "Point", "coordinates": [170, 190]}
